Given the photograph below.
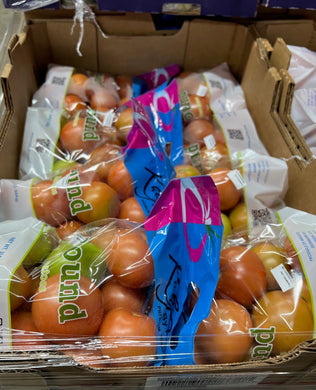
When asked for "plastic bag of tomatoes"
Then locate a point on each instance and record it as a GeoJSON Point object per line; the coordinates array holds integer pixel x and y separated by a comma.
{"type": "Point", "coordinates": [263, 304]}
{"type": "Point", "coordinates": [54, 139]}
{"type": "Point", "coordinates": [99, 295]}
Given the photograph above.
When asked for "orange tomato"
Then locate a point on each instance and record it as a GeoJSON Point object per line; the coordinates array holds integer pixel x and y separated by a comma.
{"type": "Point", "coordinates": [72, 137]}
{"type": "Point", "coordinates": [103, 201]}
{"type": "Point", "coordinates": [68, 228]}
{"type": "Point", "coordinates": [125, 86]}
{"type": "Point", "coordinates": [73, 103]}
{"type": "Point", "coordinates": [228, 194]}
{"type": "Point", "coordinates": [197, 130]}
{"type": "Point", "coordinates": [50, 203]}
{"type": "Point", "coordinates": [271, 257]}
{"type": "Point", "coordinates": [130, 259]}
{"type": "Point", "coordinates": [124, 122]}
{"type": "Point", "coordinates": [242, 275]}
{"type": "Point", "coordinates": [121, 180]}
{"type": "Point", "coordinates": [25, 335]}
{"type": "Point", "coordinates": [132, 210]}
{"type": "Point", "coordinates": [103, 157]}
{"type": "Point", "coordinates": [186, 170]}
{"type": "Point", "coordinates": [215, 157]}
{"type": "Point", "coordinates": [289, 315]}
{"type": "Point", "coordinates": [223, 337]}
{"type": "Point", "coordinates": [79, 315]}
{"type": "Point", "coordinates": [239, 219]}
{"type": "Point", "coordinates": [115, 295]}
{"type": "Point", "coordinates": [20, 288]}
{"type": "Point", "coordinates": [102, 100]}
{"type": "Point", "coordinates": [293, 257]}
{"type": "Point", "coordinates": [128, 339]}
{"type": "Point", "coordinates": [77, 85]}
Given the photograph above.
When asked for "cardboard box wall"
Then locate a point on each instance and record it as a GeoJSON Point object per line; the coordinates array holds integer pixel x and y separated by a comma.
{"type": "Point", "coordinates": [133, 47]}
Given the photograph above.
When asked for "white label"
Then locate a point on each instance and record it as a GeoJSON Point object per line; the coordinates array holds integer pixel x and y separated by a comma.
{"type": "Point", "coordinates": [52, 93]}
{"type": "Point", "coordinates": [209, 141]}
{"type": "Point", "coordinates": [15, 199]}
{"type": "Point", "coordinates": [16, 237]}
{"type": "Point", "coordinates": [205, 381]}
{"type": "Point", "coordinates": [202, 90]}
{"type": "Point", "coordinates": [283, 277]}
{"type": "Point", "coordinates": [237, 179]}
{"type": "Point", "coordinates": [108, 118]}
{"type": "Point", "coordinates": [41, 133]}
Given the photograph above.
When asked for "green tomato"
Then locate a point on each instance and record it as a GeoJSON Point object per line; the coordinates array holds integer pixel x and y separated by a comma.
{"type": "Point", "coordinates": [90, 257]}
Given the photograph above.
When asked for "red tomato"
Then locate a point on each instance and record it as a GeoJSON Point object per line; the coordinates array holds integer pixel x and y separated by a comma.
{"type": "Point", "coordinates": [79, 315]}
{"type": "Point", "coordinates": [50, 203]}
{"type": "Point", "coordinates": [103, 201]}
{"type": "Point", "coordinates": [73, 103]}
{"type": "Point", "coordinates": [215, 157]}
{"type": "Point", "coordinates": [223, 337]}
{"type": "Point", "coordinates": [132, 210]}
{"type": "Point", "coordinates": [20, 288]}
{"type": "Point", "coordinates": [130, 259]}
{"type": "Point", "coordinates": [228, 194]}
{"type": "Point", "coordinates": [121, 180]}
{"type": "Point", "coordinates": [67, 228]}
{"type": "Point", "coordinates": [25, 335]}
{"type": "Point", "coordinates": [242, 275]}
{"type": "Point", "coordinates": [289, 314]}
{"type": "Point", "coordinates": [128, 339]}
{"type": "Point", "coordinates": [197, 130]}
{"type": "Point", "coordinates": [115, 295]}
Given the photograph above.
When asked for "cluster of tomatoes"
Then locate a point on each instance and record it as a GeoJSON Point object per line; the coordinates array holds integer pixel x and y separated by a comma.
{"type": "Point", "coordinates": [56, 302]}
{"type": "Point", "coordinates": [249, 302]}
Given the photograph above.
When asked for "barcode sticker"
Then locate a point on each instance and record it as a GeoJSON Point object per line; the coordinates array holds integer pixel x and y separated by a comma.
{"type": "Point", "coordinates": [202, 90]}
{"type": "Point", "coordinates": [283, 277]}
{"type": "Point", "coordinates": [205, 381]}
{"type": "Point", "coordinates": [237, 179]}
{"type": "Point", "coordinates": [108, 119]}
{"type": "Point", "coordinates": [209, 141]}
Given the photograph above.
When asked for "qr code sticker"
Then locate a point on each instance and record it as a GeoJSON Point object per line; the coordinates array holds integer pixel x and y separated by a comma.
{"type": "Point", "coordinates": [215, 84]}
{"type": "Point", "coordinates": [42, 144]}
{"type": "Point", "coordinates": [59, 80]}
{"type": "Point", "coordinates": [261, 216]}
{"type": "Point", "coordinates": [235, 134]}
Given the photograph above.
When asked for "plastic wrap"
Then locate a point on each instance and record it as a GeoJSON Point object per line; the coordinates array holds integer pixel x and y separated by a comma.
{"type": "Point", "coordinates": [303, 71]}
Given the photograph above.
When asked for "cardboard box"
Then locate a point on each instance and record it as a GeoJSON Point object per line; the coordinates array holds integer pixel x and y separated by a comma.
{"type": "Point", "coordinates": [302, 167]}
{"type": "Point", "coordinates": [133, 47]}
